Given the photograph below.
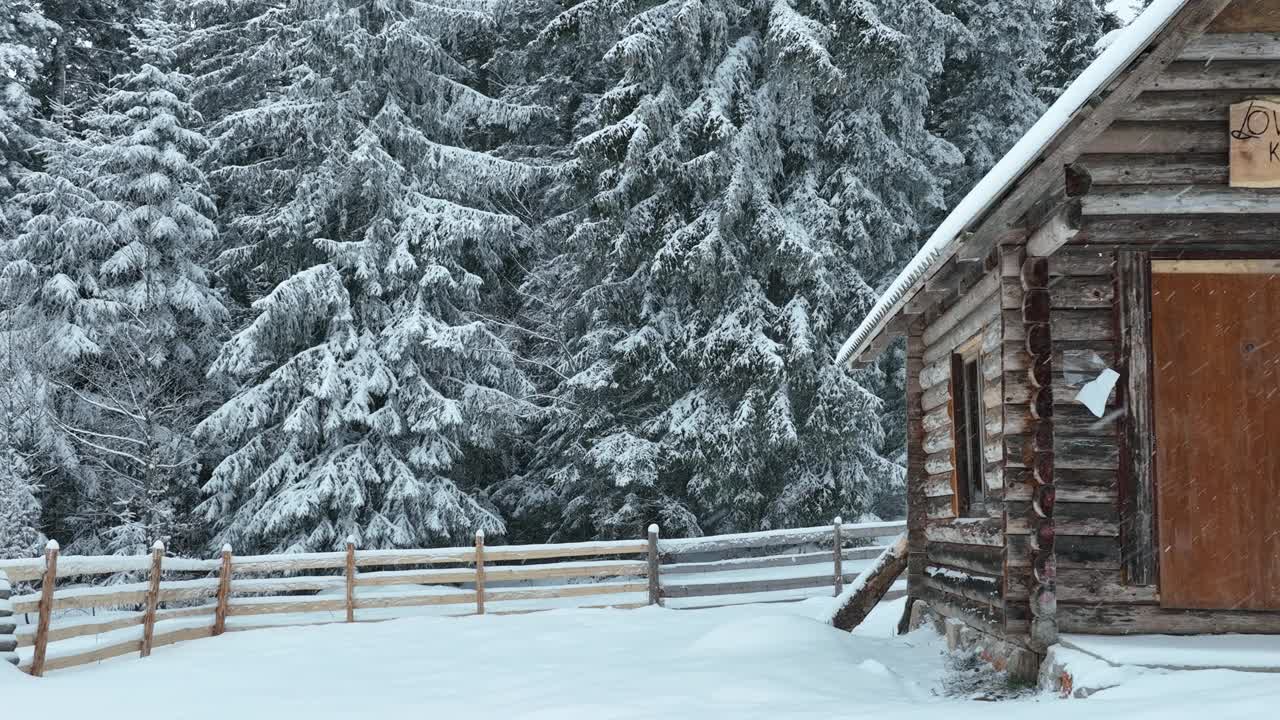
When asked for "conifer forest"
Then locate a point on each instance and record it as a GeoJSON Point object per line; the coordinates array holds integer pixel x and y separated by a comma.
{"type": "Point", "coordinates": [278, 272]}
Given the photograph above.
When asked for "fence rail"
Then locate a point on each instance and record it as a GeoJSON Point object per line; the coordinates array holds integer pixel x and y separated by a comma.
{"type": "Point", "coordinates": [163, 600]}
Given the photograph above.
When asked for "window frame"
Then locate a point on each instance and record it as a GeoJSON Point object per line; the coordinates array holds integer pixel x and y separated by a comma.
{"type": "Point", "coordinates": [968, 427]}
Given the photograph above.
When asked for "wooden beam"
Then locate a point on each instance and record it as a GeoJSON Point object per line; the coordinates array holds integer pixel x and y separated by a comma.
{"type": "Point", "coordinates": [970, 300]}
{"type": "Point", "coordinates": [1188, 24]}
{"type": "Point", "coordinates": [1248, 16]}
{"type": "Point", "coordinates": [1212, 47]}
{"type": "Point", "coordinates": [1057, 231]}
{"type": "Point", "coordinates": [1137, 457]}
{"type": "Point", "coordinates": [1232, 267]}
{"type": "Point", "coordinates": [224, 592]}
{"type": "Point", "coordinates": [654, 567]}
{"type": "Point", "coordinates": [1180, 200]}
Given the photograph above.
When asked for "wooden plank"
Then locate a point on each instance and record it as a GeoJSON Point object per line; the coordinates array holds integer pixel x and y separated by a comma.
{"type": "Point", "coordinates": [1127, 137]}
{"type": "Point", "coordinates": [984, 589]}
{"type": "Point", "coordinates": [398, 601]}
{"type": "Point", "coordinates": [566, 550]}
{"type": "Point", "coordinates": [1128, 619]}
{"type": "Point", "coordinates": [1147, 169]}
{"type": "Point", "coordinates": [987, 618]}
{"type": "Point", "coordinates": [1070, 551]}
{"type": "Point", "coordinates": [46, 608]}
{"type": "Point", "coordinates": [1224, 75]}
{"type": "Point", "coordinates": [1217, 267]}
{"type": "Point", "coordinates": [744, 586]}
{"type": "Point", "coordinates": [1248, 16]}
{"type": "Point", "coordinates": [1215, 339]}
{"type": "Point", "coordinates": [918, 480]}
{"type": "Point", "coordinates": [274, 606]}
{"type": "Point", "coordinates": [568, 591]}
{"type": "Point", "coordinates": [1069, 518]}
{"type": "Point", "coordinates": [1137, 471]}
{"type": "Point", "coordinates": [153, 599]}
{"type": "Point", "coordinates": [1216, 47]}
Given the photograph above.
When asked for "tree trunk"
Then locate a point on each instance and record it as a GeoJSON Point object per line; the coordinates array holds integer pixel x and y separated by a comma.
{"type": "Point", "coordinates": [872, 584]}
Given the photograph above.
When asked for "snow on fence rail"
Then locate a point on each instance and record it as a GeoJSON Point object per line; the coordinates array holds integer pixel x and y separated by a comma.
{"type": "Point", "coordinates": [61, 626]}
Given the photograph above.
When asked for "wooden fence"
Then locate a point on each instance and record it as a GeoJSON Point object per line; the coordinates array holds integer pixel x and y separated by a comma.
{"type": "Point", "coordinates": [143, 602]}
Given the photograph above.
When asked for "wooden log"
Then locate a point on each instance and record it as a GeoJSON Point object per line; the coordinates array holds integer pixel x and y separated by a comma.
{"type": "Point", "coordinates": [153, 599]}
{"type": "Point", "coordinates": [1180, 200]}
{"type": "Point", "coordinates": [982, 559]}
{"type": "Point", "coordinates": [1136, 456]}
{"type": "Point", "coordinates": [224, 592]}
{"type": "Point", "coordinates": [962, 309]}
{"type": "Point", "coordinates": [966, 532]}
{"type": "Point", "coordinates": [1140, 170]}
{"type": "Point", "coordinates": [1137, 138]}
{"type": "Point", "coordinates": [1193, 106]}
{"type": "Point", "coordinates": [1222, 47]}
{"type": "Point", "coordinates": [1055, 232]}
{"type": "Point", "coordinates": [349, 575]}
{"type": "Point", "coordinates": [974, 323]}
{"type": "Point", "coordinates": [1126, 619]}
{"type": "Point", "coordinates": [871, 585]}
{"type": "Point", "coordinates": [278, 605]}
{"type": "Point", "coordinates": [46, 607]}
{"type": "Point", "coordinates": [837, 547]}
{"type": "Point", "coordinates": [1210, 231]}
{"type": "Point", "coordinates": [568, 591]}
{"type": "Point", "coordinates": [479, 563]}
{"type": "Point", "coordinates": [1225, 75]}
{"type": "Point", "coordinates": [654, 568]}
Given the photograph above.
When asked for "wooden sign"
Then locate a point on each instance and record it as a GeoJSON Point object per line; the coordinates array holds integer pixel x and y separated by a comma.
{"type": "Point", "coordinates": [1255, 144]}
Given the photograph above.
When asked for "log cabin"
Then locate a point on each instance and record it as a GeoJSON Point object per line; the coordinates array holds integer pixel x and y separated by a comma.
{"type": "Point", "coordinates": [1093, 354]}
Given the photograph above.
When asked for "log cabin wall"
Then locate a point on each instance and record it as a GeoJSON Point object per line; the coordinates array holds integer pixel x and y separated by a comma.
{"type": "Point", "coordinates": [1159, 190]}
{"type": "Point", "coordinates": [958, 561]}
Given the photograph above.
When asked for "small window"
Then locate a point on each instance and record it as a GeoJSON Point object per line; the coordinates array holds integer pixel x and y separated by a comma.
{"type": "Point", "coordinates": [966, 383]}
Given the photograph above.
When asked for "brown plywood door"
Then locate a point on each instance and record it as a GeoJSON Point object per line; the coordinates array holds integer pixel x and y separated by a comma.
{"type": "Point", "coordinates": [1216, 384]}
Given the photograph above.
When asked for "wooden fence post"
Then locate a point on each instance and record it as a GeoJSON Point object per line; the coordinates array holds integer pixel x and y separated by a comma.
{"type": "Point", "coordinates": [153, 599]}
{"type": "Point", "coordinates": [479, 572]}
{"type": "Point", "coordinates": [839, 555]}
{"type": "Point", "coordinates": [351, 579]}
{"type": "Point", "coordinates": [655, 578]}
{"type": "Point", "coordinates": [224, 593]}
{"type": "Point", "coordinates": [45, 608]}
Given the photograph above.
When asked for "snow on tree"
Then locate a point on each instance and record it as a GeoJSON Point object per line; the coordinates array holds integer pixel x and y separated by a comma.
{"type": "Point", "coordinates": [22, 31]}
{"type": "Point", "coordinates": [121, 223]}
{"type": "Point", "coordinates": [371, 222]}
{"type": "Point", "coordinates": [713, 245]}
{"type": "Point", "coordinates": [1071, 39]}
{"type": "Point", "coordinates": [985, 97]}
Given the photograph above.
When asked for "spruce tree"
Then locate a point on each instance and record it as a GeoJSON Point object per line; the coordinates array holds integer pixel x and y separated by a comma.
{"type": "Point", "coordinates": [985, 98]}
{"type": "Point", "coordinates": [121, 225]}
{"type": "Point", "coordinates": [370, 222]}
{"type": "Point", "coordinates": [1071, 40]}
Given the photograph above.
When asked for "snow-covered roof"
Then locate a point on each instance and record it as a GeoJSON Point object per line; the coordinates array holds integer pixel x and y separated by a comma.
{"type": "Point", "coordinates": [1122, 51]}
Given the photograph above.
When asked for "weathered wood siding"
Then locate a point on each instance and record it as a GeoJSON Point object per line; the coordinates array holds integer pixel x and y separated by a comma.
{"type": "Point", "coordinates": [1159, 189]}
{"type": "Point", "coordinates": [958, 565]}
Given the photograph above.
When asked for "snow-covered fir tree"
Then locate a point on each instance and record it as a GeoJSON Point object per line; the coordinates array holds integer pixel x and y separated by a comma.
{"type": "Point", "coordinates": [371, 226]}
{"type": "Point", "coordinates": [121, 225]}
{"type": "Point", "coordinates": [22, 31]}
{"type": "Point", "coordinates": [716, 245]}
{"type": "Point", "coordinates": [985, 98]}
{"type": "Point", "coordinates": [1071, 40]}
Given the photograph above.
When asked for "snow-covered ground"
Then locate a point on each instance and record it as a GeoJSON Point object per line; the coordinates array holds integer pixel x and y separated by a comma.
{"type": "Point", "coordinates": [744, 663]}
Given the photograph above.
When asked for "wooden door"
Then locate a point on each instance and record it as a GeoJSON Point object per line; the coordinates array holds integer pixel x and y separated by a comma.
{"type": "Point", "coordinates": [1215, 329]}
